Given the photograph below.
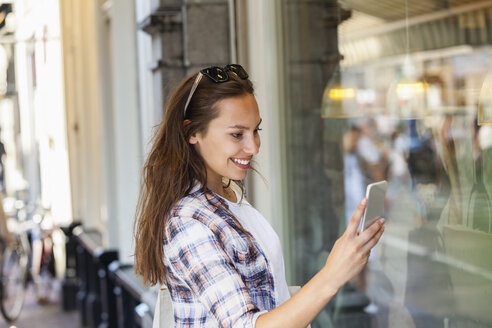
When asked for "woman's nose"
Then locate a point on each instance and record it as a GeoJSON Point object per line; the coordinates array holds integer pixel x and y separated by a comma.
{"type": "Point", "coordinates": [252, 145]}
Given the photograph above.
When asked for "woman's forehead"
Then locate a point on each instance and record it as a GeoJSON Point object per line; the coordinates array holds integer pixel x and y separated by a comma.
{"type": "Point", "coordinates": [241, 110]}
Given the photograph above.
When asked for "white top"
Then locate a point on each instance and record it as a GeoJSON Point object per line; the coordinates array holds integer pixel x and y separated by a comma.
{"type": "Point", "coordinates": [267, 238]}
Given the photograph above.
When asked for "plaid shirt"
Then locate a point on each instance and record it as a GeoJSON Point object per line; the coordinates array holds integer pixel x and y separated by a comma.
{"type": "Point", "coordinates": [213, 277]}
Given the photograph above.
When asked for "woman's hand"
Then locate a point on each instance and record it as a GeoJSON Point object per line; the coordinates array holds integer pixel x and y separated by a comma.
{"type": "Point", "coordinates": [351, 251]}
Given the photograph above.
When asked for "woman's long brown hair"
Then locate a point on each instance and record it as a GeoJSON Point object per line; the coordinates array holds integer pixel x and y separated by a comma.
{"type": "Point", "coordinates": [173, 166]}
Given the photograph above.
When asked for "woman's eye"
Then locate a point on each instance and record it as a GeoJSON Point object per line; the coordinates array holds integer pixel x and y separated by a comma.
{"type": "Point", "coordinates": [258, 130]}
{"type": "Point", "coordinates": [237, 135]}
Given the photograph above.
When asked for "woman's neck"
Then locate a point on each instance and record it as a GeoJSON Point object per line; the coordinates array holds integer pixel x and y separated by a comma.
{"type": "Point", "coordinates": [220, 189]}
{"type": "Point", "coordinates": [214, 183]}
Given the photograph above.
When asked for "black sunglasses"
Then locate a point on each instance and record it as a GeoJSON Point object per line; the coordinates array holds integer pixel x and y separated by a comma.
{"type": "Point", "coordinates": [218, 75]}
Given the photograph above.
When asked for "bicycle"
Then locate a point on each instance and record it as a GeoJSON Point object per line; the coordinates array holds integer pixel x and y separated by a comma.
{"type": "Point", "coordinates": [14, 265]}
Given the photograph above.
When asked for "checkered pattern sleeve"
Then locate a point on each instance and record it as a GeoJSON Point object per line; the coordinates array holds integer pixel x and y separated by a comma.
{"type": "Point", "coordinates": [206, 288]}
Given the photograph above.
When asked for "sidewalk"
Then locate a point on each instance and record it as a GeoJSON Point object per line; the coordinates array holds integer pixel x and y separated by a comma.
{"type": "Point", "coordinates": [42, 316]}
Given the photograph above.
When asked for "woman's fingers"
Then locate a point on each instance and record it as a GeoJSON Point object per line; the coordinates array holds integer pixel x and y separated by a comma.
{"type": "Point", "coordinates": [373, 241]}
{"type": "Point", "coordinates": [367, 234]}
{"type": "Point", "coordinates": [355, 221]}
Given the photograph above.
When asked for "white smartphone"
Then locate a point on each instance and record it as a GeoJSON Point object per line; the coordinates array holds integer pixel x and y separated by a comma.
{"type": "Point", "coordinates": [375, 194]}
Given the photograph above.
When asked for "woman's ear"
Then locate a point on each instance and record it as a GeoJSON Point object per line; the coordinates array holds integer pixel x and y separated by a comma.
{"type": "Point", "coordinates": [193, 139]}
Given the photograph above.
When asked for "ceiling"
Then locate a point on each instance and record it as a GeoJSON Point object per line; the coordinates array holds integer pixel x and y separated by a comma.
{"type": "Point", "coordinates": [379, 28]}
{"type": "Point", "coordinates": [391, 10]}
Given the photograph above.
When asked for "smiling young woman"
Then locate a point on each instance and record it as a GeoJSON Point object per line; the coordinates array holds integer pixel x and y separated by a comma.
{"type": "Point", "coordinates": [195, 230]}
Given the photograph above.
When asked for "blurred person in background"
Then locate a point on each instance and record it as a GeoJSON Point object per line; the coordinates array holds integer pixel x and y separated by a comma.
{"type": "Point", "coordinates": [4, 232]}
{"type": "Point", "coordinates": [354, 180]}
{"type": "Point", "coordinates": [2, 166]}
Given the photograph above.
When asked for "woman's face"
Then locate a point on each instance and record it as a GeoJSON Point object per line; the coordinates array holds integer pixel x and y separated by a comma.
{"type": "Point", "coordinates": [231, 140]}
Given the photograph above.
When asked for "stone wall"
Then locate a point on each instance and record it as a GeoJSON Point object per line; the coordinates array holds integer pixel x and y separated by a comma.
{"type": "Point", "coordinates": [186, 36]}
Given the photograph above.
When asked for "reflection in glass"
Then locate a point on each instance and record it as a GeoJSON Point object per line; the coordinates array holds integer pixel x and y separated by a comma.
{"type": "Point", "coordinates": [407, 95]}
{"type": "Point", "coordinates": [408, 87]}
{"type": "Point", "coordinates": [479, 213]}
{"type": "Point", "coordinates": [339, 97]}
{"type": "Point", "coordinates": [485, 102]}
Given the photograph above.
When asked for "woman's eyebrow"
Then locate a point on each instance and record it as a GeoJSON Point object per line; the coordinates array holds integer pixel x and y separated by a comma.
{"type": "Point", "coordinates": [242, 127]}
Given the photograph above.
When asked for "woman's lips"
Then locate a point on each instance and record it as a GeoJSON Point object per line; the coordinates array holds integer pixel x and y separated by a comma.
{"type": "Point", "coordinates": [241, 163]}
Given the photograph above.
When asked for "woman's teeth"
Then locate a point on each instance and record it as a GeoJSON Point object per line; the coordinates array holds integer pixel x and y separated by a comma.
{"type": "Point", "coordinates": [241, 161]}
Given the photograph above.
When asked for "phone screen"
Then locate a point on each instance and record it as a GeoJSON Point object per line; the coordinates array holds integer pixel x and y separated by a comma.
{"type": "Point", "coordinates": [375, 194]}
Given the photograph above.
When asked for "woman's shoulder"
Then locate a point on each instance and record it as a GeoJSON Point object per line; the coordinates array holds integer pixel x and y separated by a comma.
{"type": "Point", "coordinates": [201, 207]}
{"type": "Point", "coordinates": [195, 203]}
{"type": "Point", "coordinates": [188, 205]}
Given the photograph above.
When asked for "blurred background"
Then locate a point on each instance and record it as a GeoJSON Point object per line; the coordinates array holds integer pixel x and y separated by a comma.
{"type": "Point", "coordinates": [350, 92]}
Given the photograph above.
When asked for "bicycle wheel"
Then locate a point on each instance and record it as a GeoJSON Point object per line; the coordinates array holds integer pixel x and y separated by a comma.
{"type": "Point", "coordinates": [13, 282]}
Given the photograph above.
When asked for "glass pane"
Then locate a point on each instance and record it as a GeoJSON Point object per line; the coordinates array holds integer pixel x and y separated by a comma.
{"type": "Point", "coordinates": [389, 90]}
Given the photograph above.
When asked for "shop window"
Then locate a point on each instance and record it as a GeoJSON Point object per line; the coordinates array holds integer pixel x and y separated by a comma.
{"type": "Point", "coordinates": [396, 91]}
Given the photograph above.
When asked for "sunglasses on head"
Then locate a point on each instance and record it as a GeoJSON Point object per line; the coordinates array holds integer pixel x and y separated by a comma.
{"type": "Point", "coordinates": [218, 75]}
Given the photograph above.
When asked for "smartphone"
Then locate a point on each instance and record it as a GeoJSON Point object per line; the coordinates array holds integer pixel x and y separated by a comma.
{"type": "Point", "coordinates": [375, 194]}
